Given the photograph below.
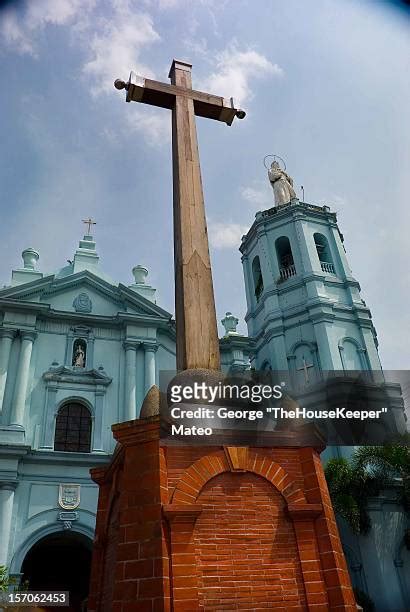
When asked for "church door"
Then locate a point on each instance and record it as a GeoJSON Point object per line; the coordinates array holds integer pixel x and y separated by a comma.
{"type": "Point", "coordinates": [60, 562]}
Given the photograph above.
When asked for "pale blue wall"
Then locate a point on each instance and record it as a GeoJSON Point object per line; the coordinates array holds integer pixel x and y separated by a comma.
{"type": "Point", "coordinates": [312, 305]}
{"type": "Point", "coordinates": [30, 470]}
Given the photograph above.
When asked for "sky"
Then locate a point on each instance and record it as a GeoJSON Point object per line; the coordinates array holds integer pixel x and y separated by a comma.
{"type": "Point", "coordinates": [325, 85]}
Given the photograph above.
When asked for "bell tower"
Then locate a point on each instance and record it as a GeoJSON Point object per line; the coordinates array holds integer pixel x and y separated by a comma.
{"type": "Point", "coordinates": [305, 311]}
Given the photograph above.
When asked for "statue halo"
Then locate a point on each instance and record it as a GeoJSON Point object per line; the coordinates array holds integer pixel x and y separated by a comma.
{"type": "Point", "coordinates": [275, 158]}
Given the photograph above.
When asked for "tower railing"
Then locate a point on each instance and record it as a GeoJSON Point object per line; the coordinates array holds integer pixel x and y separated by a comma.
{"type": "Point", "coordinates": [327, 267]}
{"type": "Point", "coordinates": [287, 272]}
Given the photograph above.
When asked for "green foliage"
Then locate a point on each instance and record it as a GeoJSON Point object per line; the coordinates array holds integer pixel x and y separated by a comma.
{"type": "Point", "coordinates": [390, 461]}
{"type": "Point", "coordinates": [5, 580]}
{"type": "Point", "coordinates": [350, 490]}
{"type": "Point", "coordinates": [370, 469]}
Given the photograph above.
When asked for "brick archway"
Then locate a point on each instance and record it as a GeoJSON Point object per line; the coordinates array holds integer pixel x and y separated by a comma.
{"type": "Point", "coordinates": [235, 459]}
{"type": "Point", "coordinates": [184, 510]}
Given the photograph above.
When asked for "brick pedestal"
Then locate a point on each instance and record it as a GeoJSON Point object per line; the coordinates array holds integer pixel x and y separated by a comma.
{"type": "Point", "coordinates": [214, 528]}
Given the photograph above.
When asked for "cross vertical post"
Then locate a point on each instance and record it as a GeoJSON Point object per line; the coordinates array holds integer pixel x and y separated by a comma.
{"type": "Point", "coordinates": [197, 333]}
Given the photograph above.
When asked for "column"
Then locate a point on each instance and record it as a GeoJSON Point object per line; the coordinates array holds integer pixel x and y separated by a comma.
{"type": "Point", "coordinates": [23, 371]}
{"type": "Point", "coordinates": [280, 353]}
{"type": "Point", "coordinates": [130, 405]}
{"type": "Point", "coordinates": [372, 358]}
{"type": "Point", "coordinates": [98, 442]}
{"type": "Point", "coordinates": [303, 245]}
{"type": "Point", "coordinates": [340, 252]}
{"type": "Point", "coordinates": [263, 251]}
{"type": "Point", "coordinates": [140, 378]}
{"type": "Point", "coordinates": [6, 340]}
{"type": "Point", "coordinates": [150, 350]}
{"type": "Point", "coordinates": [49, 420]}
{"type": "Point", "coordinates": [327, 346]}
{"type": "Point", "coordinates": [247, 280]}
{"type": "Point", "coordinates": [6, 513]}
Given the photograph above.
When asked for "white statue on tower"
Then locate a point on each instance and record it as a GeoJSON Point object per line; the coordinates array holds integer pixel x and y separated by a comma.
{"type": "Point", "coordinates": [282, 184]}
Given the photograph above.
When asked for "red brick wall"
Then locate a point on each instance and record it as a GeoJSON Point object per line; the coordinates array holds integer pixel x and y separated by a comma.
{"type": "Point", "coordinates": [212, 528]}
{"type": "Point", "coordinates": [246, 551]}
{"type": "Point", "coordinates": [133, 564]}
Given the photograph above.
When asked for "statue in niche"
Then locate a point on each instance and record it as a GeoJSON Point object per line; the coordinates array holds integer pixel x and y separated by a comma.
{"type": "Point", "coordinates": [79, 353]}
{"type": "Point", "coordinates": [282, 184]}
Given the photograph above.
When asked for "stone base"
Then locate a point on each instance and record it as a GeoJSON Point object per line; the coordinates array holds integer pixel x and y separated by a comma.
{"type": "Point", "coordinates": [12, 434]}
{"type": "Point", "coordinates": [214, 528]}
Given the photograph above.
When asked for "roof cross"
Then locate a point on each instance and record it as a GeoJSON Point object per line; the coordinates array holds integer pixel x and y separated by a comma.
{"type": "Point", "coordinates": [89, 222]}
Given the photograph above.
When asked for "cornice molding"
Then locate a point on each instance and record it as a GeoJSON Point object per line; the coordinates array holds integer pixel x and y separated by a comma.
{"type": "Point", "coordinates": [64, 374]}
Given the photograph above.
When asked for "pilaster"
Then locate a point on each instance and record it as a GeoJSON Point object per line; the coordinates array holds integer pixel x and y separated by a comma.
{"type": "Point", "coordinates": [140, 377]}
{"type": "Point", "coordinates": [150, 349]}
{"type": "Point", "coordinates": [47, 440]}
{"type": "Point", "coordinates": [6, 340]}
{"type": "Point", "coordinates": [130, 404]}
{"type": "Point", "coordinates": [22, 379]}
{"type": "Point", "coordinates": [250, 294]}
{"type": "Point", "coordinates": [98, 421]}
{"type": "Point", "coordinates": [327, 344]}
{"type": "Point", "coordinates": [6, 512]}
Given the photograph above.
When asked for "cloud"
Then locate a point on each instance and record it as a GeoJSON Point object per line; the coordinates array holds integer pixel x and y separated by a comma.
{"type": "Point", "coordinates": [20, 32]}
{"type": "Point", "coordinates": [116, 47]}
{"type": "Point", "coordinates": [235, 71]}
{"type": "Point", "coordinates": [226, 235]}
{"type": "Point", "coordinates": [155, 125]}
{"type": "Point", "coordinates": [259, 195]}
{"type": "Point", "coordinates": [113, 51]}
{"type": "Point", "coordinates": [112, 45]}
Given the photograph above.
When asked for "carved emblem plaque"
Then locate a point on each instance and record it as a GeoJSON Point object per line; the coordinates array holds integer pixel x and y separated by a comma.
{"type": "Point", "coordinates": [82, 303]}
{"type": "Point", "coordinates": [69, 496]}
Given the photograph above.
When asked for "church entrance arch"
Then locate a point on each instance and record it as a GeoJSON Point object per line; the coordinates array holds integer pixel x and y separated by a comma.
{"type": "Point", "coordinates": [60, 561]}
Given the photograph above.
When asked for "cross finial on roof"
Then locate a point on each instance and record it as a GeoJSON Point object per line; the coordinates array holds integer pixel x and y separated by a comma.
{"type": "Point", "coordinates": [89, 222]}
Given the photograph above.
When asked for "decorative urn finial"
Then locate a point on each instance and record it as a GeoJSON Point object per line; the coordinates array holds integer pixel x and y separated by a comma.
{"type": "Point", "coordinates": [30, 258]}
{"type": "Point", "coordinates": [230, 323]}
{"type": "Point", "coordinates": [140, 274]}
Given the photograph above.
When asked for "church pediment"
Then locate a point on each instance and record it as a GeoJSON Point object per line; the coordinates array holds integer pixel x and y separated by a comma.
{"type": "Point", "coordinates": [84, 293]}
{"type": "Point", "coordinates": [76, 375]}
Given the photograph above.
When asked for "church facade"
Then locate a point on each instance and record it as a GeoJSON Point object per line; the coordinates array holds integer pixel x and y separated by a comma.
{"type": "Point", "coordinates": [78, 353]}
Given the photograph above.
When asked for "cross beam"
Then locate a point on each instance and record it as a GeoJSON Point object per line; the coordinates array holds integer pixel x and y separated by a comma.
{"type": "Point", "coordinates": [197, 333]}
{"type": "Point", "coordinates": [163, 95]}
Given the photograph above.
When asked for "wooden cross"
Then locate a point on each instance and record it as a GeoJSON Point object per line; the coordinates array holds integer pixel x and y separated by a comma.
{"type": "Point", "coordinates": [89, 222]}
{"type": "Point", "coordinates": [197, 333]}
{"type": "Point", "coordinates": [305, 367]}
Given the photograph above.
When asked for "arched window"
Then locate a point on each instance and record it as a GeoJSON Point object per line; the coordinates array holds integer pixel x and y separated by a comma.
{"type": "Point", "coordinates": [257, 277]}
{"type": "Point", "coordinates": [323, 251]}
{"type": "Point", "coordinates": [285, 258]}
{"type": "Point", "coordinates": [73, 429]}
{"type": "Point", "coordinates": [350, 354]}
{"type": "Point", "coordinates": [79, 353]}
